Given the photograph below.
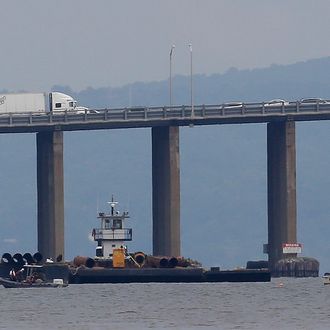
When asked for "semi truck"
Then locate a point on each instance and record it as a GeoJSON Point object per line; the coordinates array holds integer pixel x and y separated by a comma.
{"type": "Point", "coordinates": [38, 103]}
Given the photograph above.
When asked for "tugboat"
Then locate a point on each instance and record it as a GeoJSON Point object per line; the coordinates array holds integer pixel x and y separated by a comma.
{"type": "Point", "coordinates": [111, 238]}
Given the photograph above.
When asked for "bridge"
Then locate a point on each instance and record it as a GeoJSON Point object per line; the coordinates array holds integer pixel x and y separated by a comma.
{"type": "Point", "coordinates": [163, 116]}
{"type": "Point", "coordinates": [164, 123]}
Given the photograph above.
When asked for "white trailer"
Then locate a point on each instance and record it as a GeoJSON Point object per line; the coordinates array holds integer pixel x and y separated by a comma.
{"type": "Point", "coordinates": [38, 102]}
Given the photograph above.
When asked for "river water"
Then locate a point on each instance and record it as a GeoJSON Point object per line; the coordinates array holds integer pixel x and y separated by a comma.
{"type": "Point", "coordinates": [283, 303]}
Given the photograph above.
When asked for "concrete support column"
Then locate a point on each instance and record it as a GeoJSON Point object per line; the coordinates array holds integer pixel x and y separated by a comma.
{"type": "Point", "coordinates": [166, 191]}
{"type": "Point", "coordinates": [50, 194]}
{"type": "Point", "coordinates": [282, 208]}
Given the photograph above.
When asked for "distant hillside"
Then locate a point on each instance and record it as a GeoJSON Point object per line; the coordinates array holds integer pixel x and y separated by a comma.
{"type": "Point", "coordinates": [290, 82]}
{"type": "Point", "coordinates": [223, 170]}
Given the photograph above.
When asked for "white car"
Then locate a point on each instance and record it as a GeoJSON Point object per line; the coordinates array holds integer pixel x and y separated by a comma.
{"type": "Point", "coordinates": [141, 109]}
{"type": "Point", "coordinates": [233, 104]}
{"type": "Point", "coordinates": [313, 101]}
{"type": "Point", "coordinates": [80, 110]}
{"type": "Point", "coordinates": [276, 103]}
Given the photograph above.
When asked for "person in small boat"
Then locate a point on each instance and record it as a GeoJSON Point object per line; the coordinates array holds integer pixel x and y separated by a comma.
{"type": "Point", "coordinates": [30, 279]}
{"type": "Point", "coordinates": [20, 275]}
{"type": "Point", "coordinates": [36, 278]}
{"type": "Point", "coordinates": [12, 274]}
{"type": "Point", "coordinates": [17, 276]}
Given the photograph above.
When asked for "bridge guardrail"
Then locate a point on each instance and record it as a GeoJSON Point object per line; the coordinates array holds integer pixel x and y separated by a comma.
{"type": "Point", "coordinates": [182, 112]}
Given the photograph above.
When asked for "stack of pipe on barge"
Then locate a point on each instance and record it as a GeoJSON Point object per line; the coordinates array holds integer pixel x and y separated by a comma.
{"type": "Point", "coordinates": [114, 264]}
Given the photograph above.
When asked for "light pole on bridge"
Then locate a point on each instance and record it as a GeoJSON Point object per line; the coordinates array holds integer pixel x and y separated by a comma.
{"type": "Point", "coordinates": [191, 82]}
{"type": "Point", "coordinates": [171, 53]}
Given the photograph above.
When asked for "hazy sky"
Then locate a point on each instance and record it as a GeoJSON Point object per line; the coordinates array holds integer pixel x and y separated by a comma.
{"type": "Point", "coordinates": [98, 43]}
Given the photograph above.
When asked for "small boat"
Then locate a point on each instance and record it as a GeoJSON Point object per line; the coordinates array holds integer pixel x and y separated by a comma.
{"type": "Point", "coordinates": [24, 284]}
{"type": "Point", "coordinates": [30, 276]}
{"type": "Point", "coordinates": [326, 278]}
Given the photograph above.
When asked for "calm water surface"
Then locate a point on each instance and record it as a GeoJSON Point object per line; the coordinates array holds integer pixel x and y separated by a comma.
{"type": "Point", "coordinates": [281, 304]}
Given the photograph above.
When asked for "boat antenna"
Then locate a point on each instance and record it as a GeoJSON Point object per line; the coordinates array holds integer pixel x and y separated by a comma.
{"type": "Point", "coordinates": [112, 205]}
{"type": "Point", "coordinates": [128, 202]}
{"type": "Point", "coordinates": [97, 204]}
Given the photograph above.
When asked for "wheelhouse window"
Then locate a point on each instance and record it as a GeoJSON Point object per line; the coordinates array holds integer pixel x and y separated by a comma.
{"type": "Point", "coordinates": [117, 224]}
{"type": "Point", "coordinates": [71, 104]}
{"type": "Point", "coordinates": [58, 105]}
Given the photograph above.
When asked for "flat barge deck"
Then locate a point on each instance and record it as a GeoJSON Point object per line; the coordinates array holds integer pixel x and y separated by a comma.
{"type": "Point", "coordinates": [163, 275]}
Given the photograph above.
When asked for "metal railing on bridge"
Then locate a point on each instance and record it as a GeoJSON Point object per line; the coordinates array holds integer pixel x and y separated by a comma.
{"type": "Point", "coordinates": [147, 116]}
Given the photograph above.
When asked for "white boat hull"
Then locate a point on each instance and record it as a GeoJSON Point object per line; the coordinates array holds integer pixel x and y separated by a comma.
{"type": "Point", "coordinates": [326, 278]}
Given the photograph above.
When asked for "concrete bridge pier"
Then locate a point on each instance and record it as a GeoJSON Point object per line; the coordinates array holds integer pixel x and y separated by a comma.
{"type": "Point", "coordinates": [282, 213]}
{"type": "Point", "coordinates": [50, 194]}
{"type": "Point", "coordinates": [166, 190]}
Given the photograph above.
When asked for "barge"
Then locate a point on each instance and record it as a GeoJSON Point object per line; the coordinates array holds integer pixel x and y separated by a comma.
{"type": "Point", "coordinates": [114, 264]}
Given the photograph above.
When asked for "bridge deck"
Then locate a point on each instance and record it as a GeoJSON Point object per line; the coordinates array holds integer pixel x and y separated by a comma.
{"type": "Point", "coordinates": [162, 116]}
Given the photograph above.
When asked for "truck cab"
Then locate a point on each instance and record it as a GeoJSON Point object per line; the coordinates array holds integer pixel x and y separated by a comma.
{"type": "Point", "coordinates": [63, 102]}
